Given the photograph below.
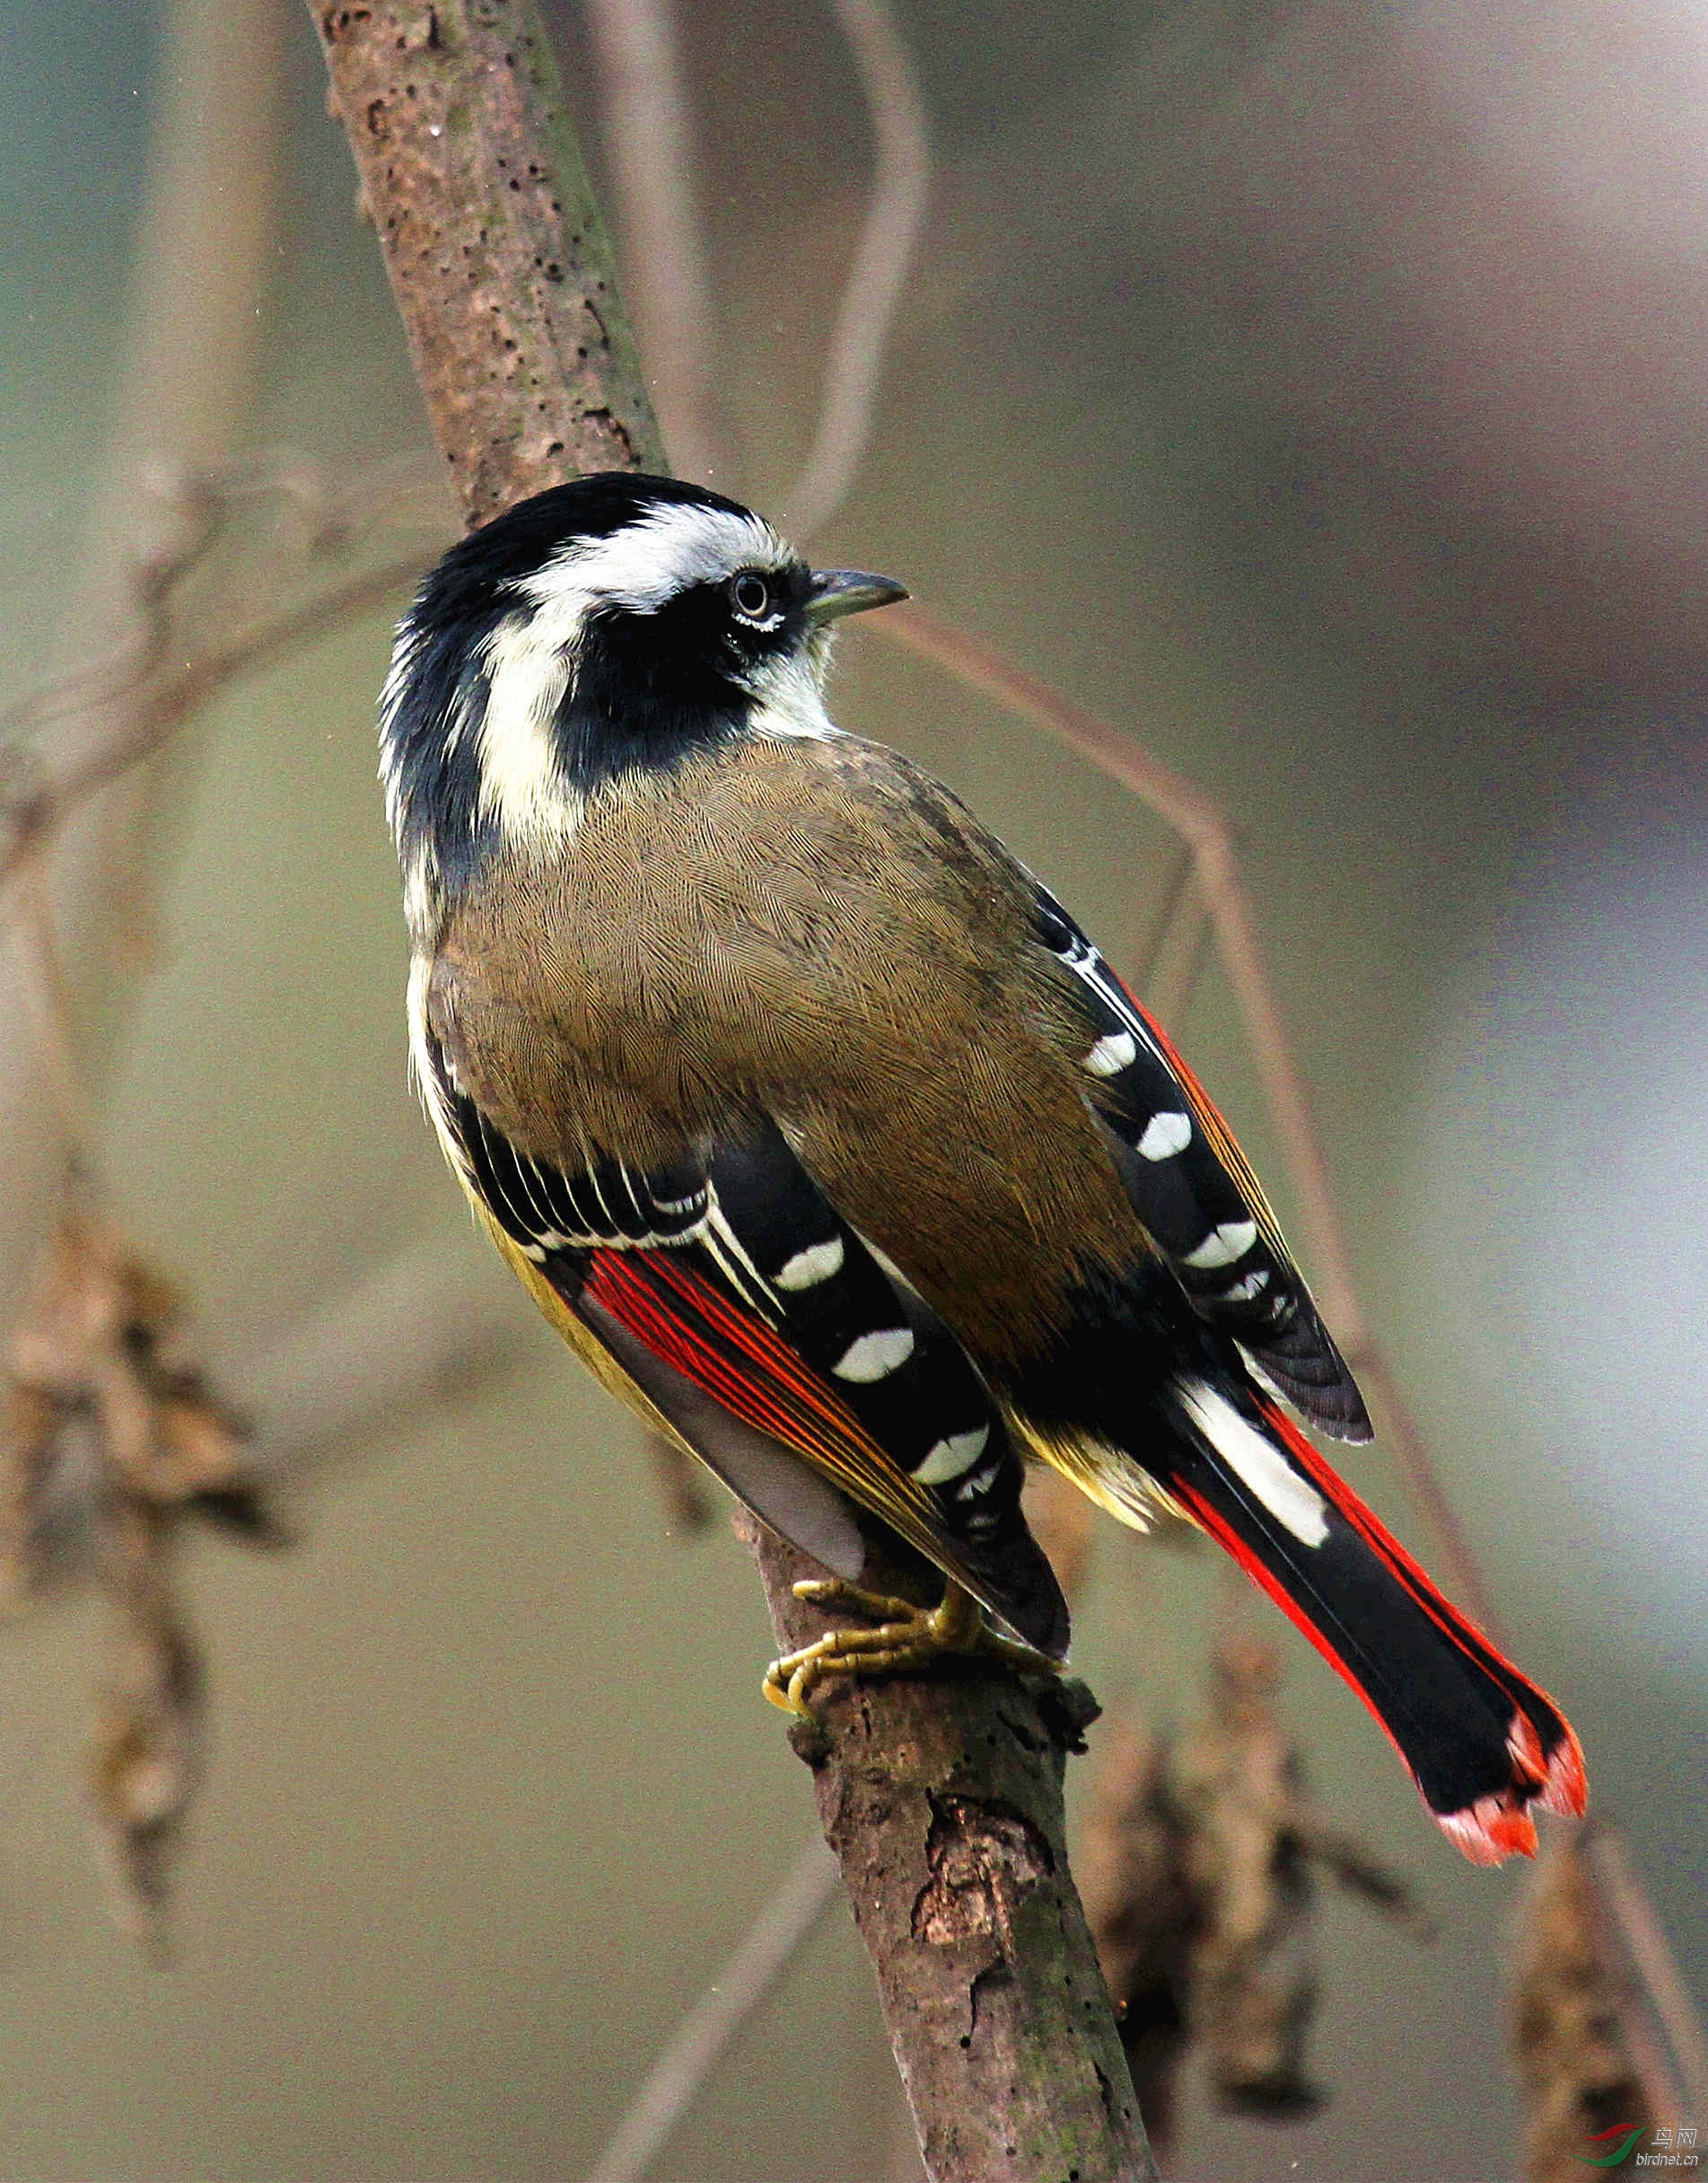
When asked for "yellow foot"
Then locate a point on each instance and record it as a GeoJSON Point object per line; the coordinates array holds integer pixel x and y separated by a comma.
{"type": "Point", "coordinates": [907, 1639]}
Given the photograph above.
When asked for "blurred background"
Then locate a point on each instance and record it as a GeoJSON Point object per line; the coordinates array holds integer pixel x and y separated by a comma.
{"type": "Point", "coordinates": [1317, 390]}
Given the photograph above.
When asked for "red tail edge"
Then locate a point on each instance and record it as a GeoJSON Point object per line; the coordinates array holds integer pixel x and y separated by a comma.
{"type": "Point", "coordinates": [1497, 1826]}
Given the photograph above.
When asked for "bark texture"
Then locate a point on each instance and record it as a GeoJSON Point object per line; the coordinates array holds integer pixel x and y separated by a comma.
{"type": "Point", "coordinates": [942, 1797]}
{"type": "Point", "coordinates": [494, 248]}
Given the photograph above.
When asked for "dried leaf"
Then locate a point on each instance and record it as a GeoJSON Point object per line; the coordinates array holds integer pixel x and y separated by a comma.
{"type": "Point", "coordinates": [1197, 1869]}
{"type": "Point", "coordinates": [1131, 1870]}
{"type": "Point", "coordinates": [145, 1761]}
{"type": "Point", "coordinates": [1577, 2072]}
{"type": "Point", "coordinates": [1253, 1968]}
{"type": "Point", "coordinates": [111, 1437]}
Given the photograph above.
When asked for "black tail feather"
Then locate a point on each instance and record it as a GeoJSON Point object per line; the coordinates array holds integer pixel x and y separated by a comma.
{"type": "Point", "coordinates": [1482, 1742]}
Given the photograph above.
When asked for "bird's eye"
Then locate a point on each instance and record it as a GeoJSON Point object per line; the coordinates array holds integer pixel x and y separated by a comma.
{"type": "Point", "coordinates": [750, 595]}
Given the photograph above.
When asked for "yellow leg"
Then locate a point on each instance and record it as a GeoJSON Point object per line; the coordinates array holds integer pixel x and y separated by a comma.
{"type": "Point", "coordinates": [907, 1639]}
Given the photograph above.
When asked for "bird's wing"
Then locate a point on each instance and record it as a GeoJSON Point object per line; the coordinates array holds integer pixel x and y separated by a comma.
{"type": "Point", "coordinates": [722, 1294]}
{"type": "Point", "coordinates": [1190, 1184]}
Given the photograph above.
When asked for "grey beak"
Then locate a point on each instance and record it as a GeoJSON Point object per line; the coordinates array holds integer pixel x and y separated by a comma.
{"type": "Point", "coordinates": [836, 591]}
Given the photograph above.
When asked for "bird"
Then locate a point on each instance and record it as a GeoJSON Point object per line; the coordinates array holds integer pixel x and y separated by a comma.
{"type": "Point", "coordinates": [829, 1140]}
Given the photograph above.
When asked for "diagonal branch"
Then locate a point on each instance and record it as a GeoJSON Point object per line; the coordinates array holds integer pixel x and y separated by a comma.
{"type": "Point", "coordinates": [647, 141]}
{"type": "Point", "coordinates": [900, 187]}
{"type": "Point", "coordinates": [761, 1956]}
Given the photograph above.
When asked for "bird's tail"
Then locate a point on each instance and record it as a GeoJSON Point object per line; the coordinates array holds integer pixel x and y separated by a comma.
{"type": "Point", "coordinates": [1482, 1743]}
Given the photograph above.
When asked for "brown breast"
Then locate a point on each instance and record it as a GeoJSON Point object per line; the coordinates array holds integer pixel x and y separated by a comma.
{"type": "Point", "coordinates": [819, 932]}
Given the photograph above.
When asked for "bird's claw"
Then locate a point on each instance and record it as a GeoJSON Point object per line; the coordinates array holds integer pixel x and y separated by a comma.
{"type": "Point", "coordinates": [908, 1639]}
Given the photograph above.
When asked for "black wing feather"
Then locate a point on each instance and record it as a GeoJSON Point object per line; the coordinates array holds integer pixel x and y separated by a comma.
{"type": "Point", "coordinates": [1189, 1183]}
{"type": "Point", "coordinates": [741, 1277]}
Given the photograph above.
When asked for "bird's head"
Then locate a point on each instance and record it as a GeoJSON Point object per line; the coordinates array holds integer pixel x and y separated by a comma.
{"type": "Point", "coordinates": [612, 623]}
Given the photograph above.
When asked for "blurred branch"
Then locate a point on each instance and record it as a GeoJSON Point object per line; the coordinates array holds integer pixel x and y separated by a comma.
{"type": "Point", "coordinates": [706, 2031]}
{"type": "Point", "coordinates": [647, 139]}
{"type": "Point", "coordinates": [203, 235]}
{"type": "Point", "coordinates": [1652, 1968]}
{"type": "Point", "coordinates": [61, 744]}
{"type": "Point", "coordinates": [900, 184]}
{"type": "Point", "coordinates": [416, 1330]}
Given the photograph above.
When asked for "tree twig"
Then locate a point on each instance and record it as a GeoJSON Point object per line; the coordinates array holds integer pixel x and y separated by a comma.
{"type": "Point", "coordinates": [901, 182]}
{"type": "Point", "coordinates": [647, 141]}
{"type": "Point", "coordinates": [1639, 1935]}
{"type": "Point", "coordinates": [703, 2035]}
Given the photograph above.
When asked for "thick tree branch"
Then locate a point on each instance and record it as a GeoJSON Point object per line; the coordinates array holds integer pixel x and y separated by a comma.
{"type": "Point", "coordinates": [494, 248]}
{"type": "Point", "coordinates": [942, 1799]}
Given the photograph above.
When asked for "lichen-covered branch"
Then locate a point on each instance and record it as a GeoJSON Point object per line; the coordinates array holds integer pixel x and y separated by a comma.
{"type": "Point", "coordinates": [941, 1798]}
{"type": "Point", "coordinates": [943, 1801]}
{"type": "Point", "coordinates": [494, 248]}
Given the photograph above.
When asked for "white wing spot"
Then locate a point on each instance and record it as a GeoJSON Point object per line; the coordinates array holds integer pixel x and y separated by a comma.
{"type": "Point", "coordinates": [1293, 1501]}
{"type": "Point", "coordinates": [951, 1457]}
{"type": "Point", "coordinates": [874, 1356]}
{"type": "Point", "coordinates": [1243, 1291]}
{"type": "Point", "coordinates": [1110, 1056]}
{"type": "Point", "coordinates": [1223, 1245]}
{"type": "Point", "coordinates": [808, 1267]}
{"type": "Point", "coordinates": [1164, 1136]}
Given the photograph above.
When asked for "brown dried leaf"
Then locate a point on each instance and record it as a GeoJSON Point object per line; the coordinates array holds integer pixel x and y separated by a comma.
{"type": "Point", "coordinates": [110, 1432]}
{"type": "Point", "coordinates": [1253, 1969]}
{"type": "Point", "coordinates": [145, 1757]}
{"type": "Point", "coordinates": [1197, 1869]}
{"type": "Point", "coordinates": [1131, 1864]}
{"type": "Point", "coordinates": [1578, 2075]}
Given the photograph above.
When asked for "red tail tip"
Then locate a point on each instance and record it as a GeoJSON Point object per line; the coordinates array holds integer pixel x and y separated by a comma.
{"type": "Point", "coordinates": [1493, 1829]}
{"type": "Point", "coordinates": [1499, 1826]}
{"type": "Point", "coordinates": [1567, 1788]}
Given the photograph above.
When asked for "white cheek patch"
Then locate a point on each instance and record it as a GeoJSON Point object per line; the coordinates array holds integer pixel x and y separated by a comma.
{"type": "Point", "coordinates": [521, 781]}
{"type": "Point", "coordinates": [788, 703]}
{"type": "Point", "coordinates": [1258, 1463]}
